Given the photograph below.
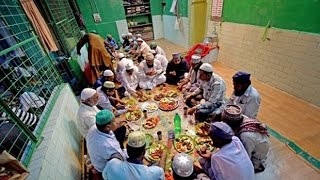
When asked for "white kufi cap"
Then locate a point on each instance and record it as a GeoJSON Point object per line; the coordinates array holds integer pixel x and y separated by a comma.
{"type": "Point", "coordinates": [108, 72]}
{"type": "Point", "coordinates": [206, 67]}
{"type": "Point", "coordinates": [121, 55]}
{"type": "Point", "coordinates": [87, 93]}
{"type": "Point", "coordinates": [139, 39]}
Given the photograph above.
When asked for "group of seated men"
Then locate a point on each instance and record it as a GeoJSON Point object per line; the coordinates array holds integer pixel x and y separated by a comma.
{"type": "Point", "coordinates": [242, 139]}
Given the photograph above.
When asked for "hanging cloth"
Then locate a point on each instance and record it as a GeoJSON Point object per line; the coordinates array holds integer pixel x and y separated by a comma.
{"type": "Point", "coordinates": [39, 24]}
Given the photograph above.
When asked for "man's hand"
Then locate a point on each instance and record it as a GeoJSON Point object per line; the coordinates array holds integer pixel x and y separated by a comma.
{"type": "Point", "coordinates": [189, 97]}
{"type": "Point", "coordinates": [131, 109]}
{"type": "Point", "coordinates": [114, 110]}
{"type": "Point", "coordinates": [149, 73]}
{"type": "Point", "coordinates": [205, 153]}
{"type": "Point", "coordinates": [139, 93]}
{"type": "Point", "coordinates": [173, 73]}
{"type": "Point", "coordinates": [121, 102]}
{"type": "Point", "coordinates": [153, 72]}
{"type": "Point", "coordinates": [191, 110]}
{"type": "Point", "coordinates": [135, 95]}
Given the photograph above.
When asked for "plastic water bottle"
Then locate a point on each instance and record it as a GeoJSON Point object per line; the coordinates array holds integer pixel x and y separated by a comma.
{"type": "Point", "coordinates": [177, 125]}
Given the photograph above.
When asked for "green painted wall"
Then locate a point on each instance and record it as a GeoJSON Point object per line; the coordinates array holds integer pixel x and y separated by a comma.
{"type": "Point", "coordinates": [156, 7]}
{"type": "Point", "coordinates": [183, 7]}
{"type": "Point", "coordinates": [301, 15]}
{"type": "Point", "coordinates": [110, 11]}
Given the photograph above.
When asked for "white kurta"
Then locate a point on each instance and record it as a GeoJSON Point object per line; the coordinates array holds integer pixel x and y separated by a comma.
{"type": "Point", "coordinates": [149, 82]}
{"type": "Point", "coordinates": [86, 118]}
{"type": "Point", "coordinates": [144, 48]}
{"type": "Point", "coordinates": [130, 82]}
{"type": "Point", "coordinates": [121, 67]}
{"type": "Point", "coordinates": [163, 60]}
{"type": "Point", "coordinates": [159, 50]}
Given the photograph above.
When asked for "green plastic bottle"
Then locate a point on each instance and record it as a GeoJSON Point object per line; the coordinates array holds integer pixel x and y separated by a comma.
{"type": "Point", "coordinates": [177, 125]}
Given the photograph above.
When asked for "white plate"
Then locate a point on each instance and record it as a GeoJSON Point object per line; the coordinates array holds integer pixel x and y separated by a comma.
{"type": "Point", "coordinates": [145, 106]}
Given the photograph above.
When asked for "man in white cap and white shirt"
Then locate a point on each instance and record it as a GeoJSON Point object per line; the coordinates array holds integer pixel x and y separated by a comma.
{"type": "Point", "coordinates": [151, 73]}
{"type": "Point", "coordinates": [130, 80]}
{"type": "Point", "coordinates": [163, 60]}
{"type": "Point", "coordinates": [192, 80]}
{"type": "Point", "coordinates": [86, 116]}
{"type": "Point", "coordinates": [213, 91]}
{"type": "Point", "coordinates": [143, 47]}
{"type": "Point", "coordinates": [121, 65]}
{"type": "Point", "coordinates": [107, 101]}
{"type": "Point", "coordinates": [133, 46]}
{"type": "Point", "coordinates": [134, 168]}
{"type": "Point", "coordinates": [231, 160]}
{"type": "Point", "coordinates": [107, 75]}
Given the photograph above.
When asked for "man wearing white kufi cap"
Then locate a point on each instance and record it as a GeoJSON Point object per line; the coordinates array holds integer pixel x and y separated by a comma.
{"type": "Point", "coordinates": [192, 81]}
{"type": "Point", "coordinates": [107, 75]}
{"type": "Point", "coordinates": [151, 73]}
{"type": "Point", "coordinates": [133, 168]}
{"type": "Point", "coordinates": [213, 91]}
{"type": "Point", "coordinates": [143, 47]}
{"type": "Point", "coordinates": [107, 101]}
{"type": "Point", "coordinates": [163, 60]}
{"type": "Point", "coordinates": [130, 79]}
{"type": "Point", "coordinates": [86, 116]}
{"type": "Point", "coordinates": [121, 65]}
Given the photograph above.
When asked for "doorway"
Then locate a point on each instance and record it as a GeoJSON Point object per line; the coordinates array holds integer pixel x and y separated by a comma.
{"type": "Point", "coordinates": [198, 21]}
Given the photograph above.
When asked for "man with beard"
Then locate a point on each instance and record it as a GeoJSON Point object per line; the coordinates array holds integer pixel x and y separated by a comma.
{"type": "Point", "coordinates": [213, 91]}
{"type": "Point", "coordinates": [108, 75]}
{"type": "Point", "coordinates": [244, 95]}
{"type": "Point", "coordinates": [133, 168]}
{"type": "Point", "coordinates": [86, 116]}
{"type": "Point", "coordinates": [107, 101]}
{"type": "Point", "coordinates": [231, 160]}
{"type": "Point", "coordinates": [163, 60]}
{"type": "Point", "coordinates": [123, 61]}
{"type": "Point", "coordinates": [105, 139]}
{"type": "Point", "coordinates": [130, 80]}
{"type": "Point", "coordinates": [143, 47]}
{"type": "Point", "coordinates": [252, 133]}
{"type": "Point", "coordinates": [192, 81]}
{"type": "Point", "coordinates": [112, 42]}
{"type": "Point", "coordinates": [176, 69]}
{"type": "Point", "coordinates": [151, 73]}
